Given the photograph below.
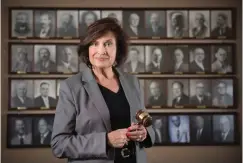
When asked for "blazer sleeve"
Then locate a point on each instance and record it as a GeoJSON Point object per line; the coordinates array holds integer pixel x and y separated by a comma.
{"type": "Point", "coordinates": [149, 141]}
{"type": "Point", "coordinates": [65, 142]}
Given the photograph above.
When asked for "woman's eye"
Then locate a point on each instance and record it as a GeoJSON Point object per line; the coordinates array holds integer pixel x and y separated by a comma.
{"type": "Point", "coordinates": [94, 44]}
{"type": "Point", "coordinates": [108, 44]}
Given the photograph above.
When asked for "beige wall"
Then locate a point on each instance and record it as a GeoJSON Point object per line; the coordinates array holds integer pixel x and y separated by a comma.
{"type": "Point", "coordinates": [166, 154]}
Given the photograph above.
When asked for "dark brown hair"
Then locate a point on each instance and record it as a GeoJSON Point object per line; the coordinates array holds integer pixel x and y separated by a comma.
{"type": "Point", "coordinates": [98, 29]}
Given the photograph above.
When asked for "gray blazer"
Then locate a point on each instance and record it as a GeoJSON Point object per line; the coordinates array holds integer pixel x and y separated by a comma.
{"type": "Point", "coordinates": [81, 109]}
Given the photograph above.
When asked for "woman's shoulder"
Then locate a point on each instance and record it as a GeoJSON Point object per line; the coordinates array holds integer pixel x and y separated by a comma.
{"type": "Point", "coordinates": [73, 81]}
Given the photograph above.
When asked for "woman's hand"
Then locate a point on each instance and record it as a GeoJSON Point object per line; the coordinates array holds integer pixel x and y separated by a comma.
{"type": "Point", "coordinates": [118, 138]}
{"type": "Point", "coordinates": [137, 132]}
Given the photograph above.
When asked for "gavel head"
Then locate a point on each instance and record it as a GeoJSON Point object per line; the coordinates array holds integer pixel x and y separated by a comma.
{"type": "Point", "coordinates": [144, 118]}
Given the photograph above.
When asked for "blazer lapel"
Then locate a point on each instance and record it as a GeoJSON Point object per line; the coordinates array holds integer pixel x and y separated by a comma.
{"type": "Point", "coordinates": [96, 97]}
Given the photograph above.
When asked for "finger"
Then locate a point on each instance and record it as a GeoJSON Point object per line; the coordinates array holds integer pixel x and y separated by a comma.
{"type": "Point", "coordinates": [133, 127]}
{"type": "Point", "coordinates": [132, 133]}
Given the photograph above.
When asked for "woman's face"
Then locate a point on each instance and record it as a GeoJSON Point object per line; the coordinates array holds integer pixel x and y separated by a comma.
{"type": "Point", "coordinates": [102, 52]}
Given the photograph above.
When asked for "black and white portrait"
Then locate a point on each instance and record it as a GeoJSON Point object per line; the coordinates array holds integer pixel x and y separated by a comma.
{"type": "Point", "coordinates": [67, 23]}
{"type": "Point", "coordinates": [45, 58]}
{"type": "Point", "coordinates": [178, 92]}
{"type": "Point", "coordinates": [179, 128]}
{"type": "Point", "coordinates": [58, 87]}
{"type": "Point", "coordinates": [221, 59]}
{"type": "Point", "coordinates": [135, 61]}
{"type": "Point", "coordinates": [67, 59]}
{"type": "Point", "coordinates": [22, 93]}
{"type": "Point", "coordinates": [223, 92]}
{"type": "Point", "coordinates": [221, 23]}
{"type": "Point", "coordinates": [45, 93]}
{"type": "Point", "coordinates": [22, 58]}
{"type": "Point", "coordinates": [116, 14]}
{"type": "Point", "coordinates": [200, 129]}
{"type": "Point", "coordinates": [155, 23]}
{"type": "Point", "coordinates": [179, 58]}
{"type": "Point", "coordinates": [199, 23]}
{"type": "Point", "coordinates": [159, 123]}
{"type": "Point", "coordinates": [133, 23]}
{"type": "Point", "coordinates": [86, 18]}
{"type": "Point", "coordinates": [200, 92]}
{"type": "Point", "coordinates": [20, 131]}
{"type": "Point", "coordinates": [156, 59]}
{"type": "Point", "coordinates": [42, 130]}
{"type": "Point", "coordinates": [177, 23]}
{"type": "Point", "coordinates": [22, 23]}
{"type": "Point", "coordinates": [45, 23]}
{"type": "Point", "coordinates": [156, 92]}
{"type": "Point", "coordinates": [223, 128]}
{"type": "Point", "coordinates": [200, 58]}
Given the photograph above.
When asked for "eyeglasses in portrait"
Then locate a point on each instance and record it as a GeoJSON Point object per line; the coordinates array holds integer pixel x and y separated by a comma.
{"type": "Point", "coordinates": [45, 94]}
{"type": "Point", "coordinates": [45, 23]}
{"type": "Point", "coordinates": [221, 59]}
{"type": "Point", "coordinates": [19, 131]}
{"type": "Point", "coordinates": [67, 23]}
{"type": "Point", "coordinates": [177, 23]}
{"type": "Point", "coordinates": [67, 59]}
{"type": "Point", "coordinates": [133, 23]}
{"type": "Point", "coordinates": [179, 129]}
{"type": "Point", "coordinates": [201, 129]}
{"type": "Point", "coordinates": [135, 61]}
{"type": "Point", "coordinates": [22, 94]}
{"type": "Point", "coordinates": [42, 130]}
{"type": "Point", "coordinates": [22, 23]}
{"type": "Point", "coordinates": [86, 18]}
{"type": "Point", "coordinates": [45, 58]}
{"type": "Point", "coordinates": [223, 93]}
{"type": "Point", "coordinates": [221, 24]}
{"type": "Point", "coordinates": [22, 58]}
{"type": "Point", "coordinates": [116, 14]}
{"type": "Point", "coordinates": [199, 23]}
{"type": "Point", "coordinates": [160, 126]}
{"type": "Point", "coordinates": [200, 59]}
{"type": "Point", "coordinates": [155, 23]}
{"type": "Point", "coordinates": [178, 93]}
{"type": "Point", "coordinates": [200, 93]}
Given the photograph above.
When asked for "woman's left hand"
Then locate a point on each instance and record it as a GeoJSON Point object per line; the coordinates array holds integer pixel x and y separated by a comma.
{"type": "Point", "coordinates": [137, 132]}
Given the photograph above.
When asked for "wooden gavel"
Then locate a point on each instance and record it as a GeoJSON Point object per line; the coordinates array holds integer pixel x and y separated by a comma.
{"type": "Point", "coordinates": [143, 118]}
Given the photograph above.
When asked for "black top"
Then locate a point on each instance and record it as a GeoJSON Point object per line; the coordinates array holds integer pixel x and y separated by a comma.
{"type": "Point", "coordinates": [119, 116]}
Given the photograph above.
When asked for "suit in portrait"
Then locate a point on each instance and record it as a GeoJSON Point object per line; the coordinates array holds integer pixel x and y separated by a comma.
{"type": "Point", "coordinates": [47, 139]}
{"type": "Point", "coordinates": [160, 32]}
{"type": "Point", "coordinates": [158, 101]}
{"type": "Point", "coordinates": [16, 102]}
{"type": "Point", "coordinates": [205, 101]}
{"type": "Point", "coordinates": [93, 119]}
{"type": "Point", "coordinates": [217, 32]}
{"type": "Point", "coordinates": [218, 136]}
{"type": "Point", "coordinates": [39, 102]}
{"type": "Point", "coordinates": [203, 138]}
{"type": "Point", "coordinates": [184, 100]}
{"type": "Point", "coordinates": [128, 67]}
{"type": "Point", "coordinates": [195, 68]}
{"type": "Point", "coordinates": [27, 140]}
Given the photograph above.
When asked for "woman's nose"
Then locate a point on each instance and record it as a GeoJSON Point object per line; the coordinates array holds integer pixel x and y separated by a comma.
{"type": "Point", "coordinates": [101, 49]}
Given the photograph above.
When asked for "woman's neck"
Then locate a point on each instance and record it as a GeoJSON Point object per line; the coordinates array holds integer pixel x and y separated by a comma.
{"type": "Point", "coordinates": [104, 73]}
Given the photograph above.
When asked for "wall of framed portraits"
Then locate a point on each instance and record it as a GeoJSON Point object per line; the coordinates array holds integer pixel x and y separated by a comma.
{"type": "Point", "coordinates": [186, 54]}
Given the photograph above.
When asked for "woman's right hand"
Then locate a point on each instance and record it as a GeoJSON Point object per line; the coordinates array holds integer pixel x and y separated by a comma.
{"type": "Point", "coordinates": [118, 138]}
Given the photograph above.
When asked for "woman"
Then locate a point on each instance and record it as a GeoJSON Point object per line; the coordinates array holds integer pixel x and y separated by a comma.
{"type": "Point", "coordinates": [96, 108]}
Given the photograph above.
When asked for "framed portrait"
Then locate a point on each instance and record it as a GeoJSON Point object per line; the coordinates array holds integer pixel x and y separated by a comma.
{"type": "Point", "coordinates": [45, 23]}
{"type": "Point", "coordinates": [45, 58]}
{"type": "Point", "coordinates": [22, 94]}
{"type": "Point", "coordinates": [67, 24]}
{"type": "Point", "coordinates": [45, 93]}
{"type": "Point", "coordinates": [22, 58]}
{"type": "Point", "coordinates": [21, 23]}
{"type": "Point", "coordinates": [116, 14]}
{"type": "Point", "coordinates": [58, 87]}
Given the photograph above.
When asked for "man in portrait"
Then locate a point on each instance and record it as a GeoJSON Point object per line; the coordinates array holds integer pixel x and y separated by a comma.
{"type": "Point", "coordinates": [221, 97]}
{"type": "Point", "coordinates": [22, 63]}
{"type": "Point", "coordinates": [200, 133]}
{"type": "Point", "coordinates": [225, 133]}
{"type": "Point", "coordinates": [21, 136]}
{"type": "Point", "coordinates": [21, 99]}
{"type": "Point", "coordinates": [134, 65]}
{"type": "Point", "coordinates": [156, 98]}
{"type": "Point", "coordinates": [45, 64]}
{"type": "Point", "coordinates": [180, 98]}
{"type": "Point", "coordinates": [198, 64]}
{"type": "Point", "coordinates": [200, 29]}
{"type": "Point", "coordinates": [86, 19]}
{"type": "Point", "coordinates": [201, 97]}
{"type": "Point", "coordinates": [222, 28]}
{"type": "Point", "coordinates": [179, 130]}
{"type": "Point", "coordinates": [179, 62]}
{"type": "Point", "coordinates": [178, 28]}
{"type": "Point", "coordinates": [221, 63]}
{"type": "Point", "coordinates": [67, 26]}
{"type": "Point", "coordinates": [43, 137]}
{"type": "Point", "coordinates": [44, 100]}
{"type": "Point", "coordinates": [133, 29]}
{"type": "Point", "coordinates": [154, 28]}
{"type": "Point", "coordinates": [45, 28]}
{"type": "Point", "coordinates": [156, 63]}
{"type": "Point", "coordinates": [22, 26]}
{"type": "Point", "coordinates": [158, 126]}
